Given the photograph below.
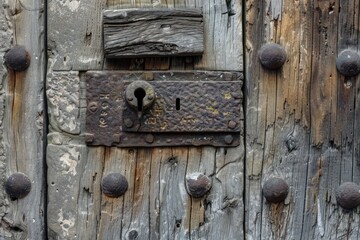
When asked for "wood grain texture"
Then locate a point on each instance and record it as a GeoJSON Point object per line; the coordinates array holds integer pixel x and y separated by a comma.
{"type": "Point", "coordinates": [301, 120]}
{"type": "Point", "coordinates": [156, 205]}
{"type": "Point", "coordinates": [21, 120]}
{"type": "Point", "coordinates": [153, 32]}
{"type": "Point", "coordinates": [75, 43]}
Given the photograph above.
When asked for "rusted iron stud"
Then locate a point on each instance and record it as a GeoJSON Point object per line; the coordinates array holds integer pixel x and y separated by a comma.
{"type": "Point", "coordinates": [228, 139]}
{"type": "Point", "coordinates": [275, 190]}
{"type": "Point", "coordinates": [348, 195]}
{"type": "Point", "coordinates": [348, 63]}
{"type": "Point", "coordinates": [114, 185]}
{"type": "Point", "coordinates": [197, 184]}
{"type": "Point", "coordinates": [18, 185]}
{"type": "Point", "coordinates": [272, 56]}
{"type": "Point", "coordinates": [149, 138]}
{"type": "Point", "coordinates": [232, 124]}
{"type": "Point", "coordinates": [17, 59]}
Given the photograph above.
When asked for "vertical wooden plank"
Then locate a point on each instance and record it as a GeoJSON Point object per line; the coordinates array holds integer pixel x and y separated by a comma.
{"type": "Point", "coordinates": [21, 120]}
{"type": "Point", "coordinates": [223, 35]}
{"type": "Point", "coordinates": [277, 140]}
{"type": "Point", "coordinates": [156, 204]}
{"type": "Point", "coordinates": [301, 119]}
{"type": "Point", "coordinates": [75, 43]}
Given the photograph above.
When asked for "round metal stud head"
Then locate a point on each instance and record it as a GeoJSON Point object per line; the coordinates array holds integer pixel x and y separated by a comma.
{"type": "Point", "coordinates": [348, 63]}
{"type": "Point", "coordinates": [114, 185]}
{"type": "Point", "coordinates": [348, 195]}
{"type": "Point", "coordinates": [18, 185]}
{"type": "Point", "coordinates": [272, 56]}
{"type": "Point", "coordinates": [275, 190]}
{"type": "Point", "coordinates": [197, 184]}
{"type": "Point", "coordinates": [18, 59]}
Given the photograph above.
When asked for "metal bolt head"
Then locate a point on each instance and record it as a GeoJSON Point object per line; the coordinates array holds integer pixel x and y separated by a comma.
{"type": "Point", "coordinates": [348, 195]}
{"type": "Point", "coordinates": [128, 123]}
{"type": "Point", "coordinates": [228, 139]}
{"type": "Point", "coordinates": [232, 124]}
{"type": "Point", "coordinates": [348, 63]}
{"type": "Point", "coordinates": [197, 184]}
{"type": "Point", "coordinates": [114, 185]}
{"type": "Point", "coordinates": [275, 190]}
{"type": "Point", "coordinates": [149, 138]}
{"type": "Point", "coordinates": [18, 59]}
{"type": "Point", "coordinates": [272, 56]}
{"type": "Point", "coordinates": [17, 186]}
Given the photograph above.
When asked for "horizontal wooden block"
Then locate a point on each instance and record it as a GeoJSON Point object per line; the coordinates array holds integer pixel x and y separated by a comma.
{"type": "Point", "coordinates": [153, 32]}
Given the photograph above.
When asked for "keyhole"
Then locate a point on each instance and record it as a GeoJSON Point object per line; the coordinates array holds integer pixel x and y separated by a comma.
{"type": "Point", "coordinates": [178, 104]}
{"type": "Point", "coordinates": [140, 94]}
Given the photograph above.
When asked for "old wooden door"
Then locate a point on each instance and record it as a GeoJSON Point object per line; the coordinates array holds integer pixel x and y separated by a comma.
{"type": "Point", "coordinates": [300, 124]}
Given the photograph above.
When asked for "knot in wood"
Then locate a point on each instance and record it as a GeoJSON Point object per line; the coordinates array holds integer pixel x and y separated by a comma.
{"type": "Point", "coordinates": [272, 56]}
{"type": "Point", "coordinates": [348, 195]}
{"type": "Point", "coordinates": [17, 59]}
{"type": "Point", "coordinates": [114, 185]}
{"type": "Point", "coordinates": [18, 185]}
{"type": "Point", "coordinates": [197, 184]}
{"type": "Point", "coordinates": [275, 190]}
{"type": "Point", "coordinates": [348, 63]}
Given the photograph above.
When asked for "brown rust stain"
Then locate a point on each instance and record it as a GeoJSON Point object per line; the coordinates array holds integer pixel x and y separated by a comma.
{"type": "Point", "coordinates": [278, 218]}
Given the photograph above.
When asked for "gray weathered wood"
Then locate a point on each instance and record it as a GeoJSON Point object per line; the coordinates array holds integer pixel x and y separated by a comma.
{"type": "Point", "coordinates": [301, 120]}
{"type": "Point", "coordinates": [153, 32]}
{"type": "Point", "coordinates": [156, 205]}
{"type": "Point", "coordinates": [75, 43]}
{"type": "Point", "coordinates": [21, 120]}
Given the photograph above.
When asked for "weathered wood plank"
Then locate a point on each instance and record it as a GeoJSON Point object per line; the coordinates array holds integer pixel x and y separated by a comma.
{"type": "Point", "coordinates": [300, 120]}
{"type": "Point", "coordinates": [147, 32]}
{"type": "Point", "coordinates": [22, 119]}
{"type": "Point", "coordinates": [156, 205]}
{"type": "Point", "coordinates": [75, 34]}
{"type": "Point", "coordinates": [223, 35]}
{"type": "Point", "coordinates": [79, 46]}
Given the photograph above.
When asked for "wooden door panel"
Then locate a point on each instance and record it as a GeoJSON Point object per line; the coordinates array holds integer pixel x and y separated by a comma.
{"type": "Point", "coordinates": [22, 121]}
{"type": "Point", "coordinates": [156, 204]}
{"type": "Point", "coordinates": [302, 119]}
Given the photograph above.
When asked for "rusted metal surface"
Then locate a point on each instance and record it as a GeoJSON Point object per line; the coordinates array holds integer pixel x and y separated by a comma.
{"type": "Point", "coordinates": [114, 185]}
{"type": "Point", "coordinates": [175, 110]}
{"type": "Point", "coordinates": [275, 190]}
{"type": "Point", "coordinates": [272, 56]}
{"type": "Point", "coordinates": [348, 63]}
{"type": "Point", "coordinates": [348, 195]}
{"type": "Point", "coordinates": [18, 185]}
{"type": "Point", "coordinates": [198, 184]}
{"type": "Point", "coordinates": [17, 58]}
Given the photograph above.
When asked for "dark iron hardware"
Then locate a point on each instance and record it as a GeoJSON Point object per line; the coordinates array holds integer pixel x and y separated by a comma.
{"type": "Point", "coordinates": [173, 109]}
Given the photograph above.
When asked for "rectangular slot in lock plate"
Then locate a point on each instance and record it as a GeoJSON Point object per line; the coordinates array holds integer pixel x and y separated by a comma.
{"type": "Point", "coordinates": [146, 109]}
{"type": "Point", "coordinates": [153, 32]}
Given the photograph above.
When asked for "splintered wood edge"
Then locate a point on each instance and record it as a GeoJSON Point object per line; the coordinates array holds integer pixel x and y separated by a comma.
{"type": "Point", "coordinates": [121, 36]}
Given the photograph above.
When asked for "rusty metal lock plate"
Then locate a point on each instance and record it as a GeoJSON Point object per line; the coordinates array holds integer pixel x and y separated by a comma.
{"type": "Point", "coordinates": [146, 109]}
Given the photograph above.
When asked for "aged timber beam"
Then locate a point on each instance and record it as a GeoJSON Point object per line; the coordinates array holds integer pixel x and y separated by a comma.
{"type": "Point", "coordinates": [153, 32]}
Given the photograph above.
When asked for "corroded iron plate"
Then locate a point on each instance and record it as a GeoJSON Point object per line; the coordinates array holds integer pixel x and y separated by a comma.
{"type": "Point", "coordinates": [207, 111]}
